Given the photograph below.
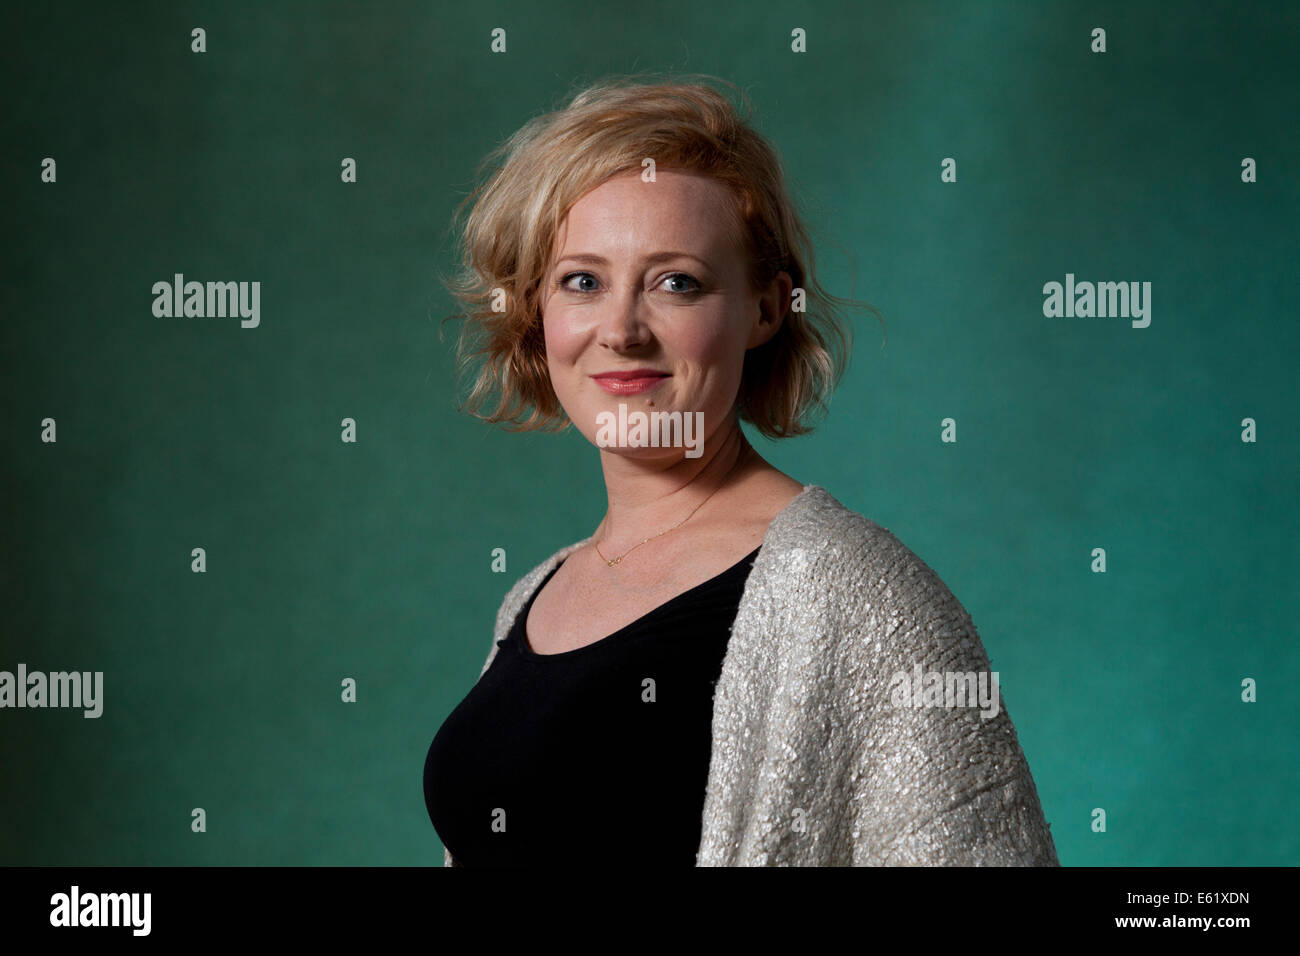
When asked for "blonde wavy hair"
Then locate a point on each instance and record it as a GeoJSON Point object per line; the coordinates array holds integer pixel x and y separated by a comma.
{"type": "Point", "coordinates": [606, 129]}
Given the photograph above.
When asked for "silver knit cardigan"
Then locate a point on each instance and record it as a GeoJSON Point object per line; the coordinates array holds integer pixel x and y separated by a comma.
{"type": "Point", "coordinates": [814, 762]}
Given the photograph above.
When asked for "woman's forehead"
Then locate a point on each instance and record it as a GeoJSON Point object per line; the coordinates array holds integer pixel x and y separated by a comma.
{"type": "Point", "coordinates": [683, 212]}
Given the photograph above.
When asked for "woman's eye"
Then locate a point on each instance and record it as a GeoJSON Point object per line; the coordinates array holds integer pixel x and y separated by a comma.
{"type": "Point", "coordinates": [564, 283]}
{"type": "Point", "coordinates": [683, 277]}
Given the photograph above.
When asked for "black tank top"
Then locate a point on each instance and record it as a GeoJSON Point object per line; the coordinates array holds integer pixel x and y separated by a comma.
{"type": "Point", "coordinates": [576, 758]}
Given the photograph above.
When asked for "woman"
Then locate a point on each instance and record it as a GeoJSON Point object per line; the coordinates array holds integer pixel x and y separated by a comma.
{"type": "Point", "coordinates": [711, 678]}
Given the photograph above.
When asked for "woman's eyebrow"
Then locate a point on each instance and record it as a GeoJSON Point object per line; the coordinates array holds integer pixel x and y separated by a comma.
{"type": "Point", "coordinates": [656, 257]}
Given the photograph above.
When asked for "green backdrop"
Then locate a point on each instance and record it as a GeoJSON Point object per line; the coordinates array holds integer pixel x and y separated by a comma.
{"type": "Point", "coordinates": [370, 560]}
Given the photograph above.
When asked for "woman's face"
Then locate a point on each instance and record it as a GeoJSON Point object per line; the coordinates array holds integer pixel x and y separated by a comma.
{"type": "Point", "coordinates": [652, 278]}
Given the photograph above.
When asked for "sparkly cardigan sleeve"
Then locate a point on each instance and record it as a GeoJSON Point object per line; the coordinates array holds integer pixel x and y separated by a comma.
{"type": "Point", "coordinates": [813, 762]}
{"type": "Point", "coordinates": [936, 785]}
{"type": "Point", "coordinates": [829, 770]}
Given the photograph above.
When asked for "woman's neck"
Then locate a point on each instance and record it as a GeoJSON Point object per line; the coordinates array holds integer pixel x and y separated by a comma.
{"type": "Point", "coordinates": [648, 496]}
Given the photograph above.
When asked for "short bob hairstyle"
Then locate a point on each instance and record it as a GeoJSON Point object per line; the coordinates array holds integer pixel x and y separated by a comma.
{"type": "Point", "coordinates": [552, 161]}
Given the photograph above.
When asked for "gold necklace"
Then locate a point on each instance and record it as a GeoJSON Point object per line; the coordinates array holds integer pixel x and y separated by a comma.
{"type": "Point", "coordinates": [615, 561]}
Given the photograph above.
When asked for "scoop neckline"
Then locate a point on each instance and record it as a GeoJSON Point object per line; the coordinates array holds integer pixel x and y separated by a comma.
{"type": "Point", "coordinates": [520, 625]}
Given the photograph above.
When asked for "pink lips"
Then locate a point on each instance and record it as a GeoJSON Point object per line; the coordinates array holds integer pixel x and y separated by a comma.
{"type": "Point", "coordinates": [630, 382]}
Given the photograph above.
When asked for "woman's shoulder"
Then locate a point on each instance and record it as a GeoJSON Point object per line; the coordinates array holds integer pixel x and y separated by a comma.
{"type": "Point", "coordinates": [831, 537]}
{"type": "Point", "coordinates": [850, 560]}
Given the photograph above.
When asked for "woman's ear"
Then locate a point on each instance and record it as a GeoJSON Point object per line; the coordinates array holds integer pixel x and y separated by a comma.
{"type": "Point", "coordinates": [773, 304]}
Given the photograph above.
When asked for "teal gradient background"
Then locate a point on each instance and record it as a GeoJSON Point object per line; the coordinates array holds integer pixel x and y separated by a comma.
{"type": "Point", "coordinates": [372, 560]}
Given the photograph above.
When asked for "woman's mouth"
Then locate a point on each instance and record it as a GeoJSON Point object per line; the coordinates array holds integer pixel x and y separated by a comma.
{"type": "Point", "coordinates": [630, 382]}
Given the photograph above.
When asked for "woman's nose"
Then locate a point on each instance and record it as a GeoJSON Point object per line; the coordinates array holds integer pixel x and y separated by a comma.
{"type": "Point", "coordinates": [623, 324]}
